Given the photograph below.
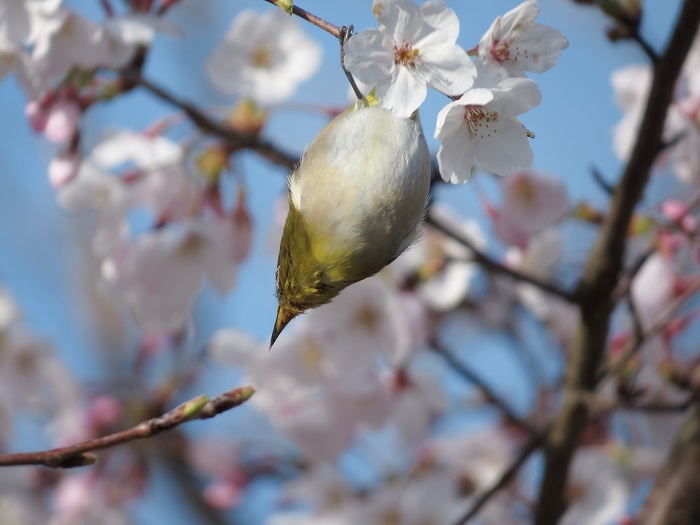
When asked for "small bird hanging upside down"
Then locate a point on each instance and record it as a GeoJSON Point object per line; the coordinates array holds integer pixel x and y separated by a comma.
{"type": "Point", "coordinates": [355, 203]}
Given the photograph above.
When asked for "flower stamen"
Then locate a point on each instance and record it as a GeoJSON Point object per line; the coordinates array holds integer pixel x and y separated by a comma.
{"type": "Point", "coordinates": [477, 118]}
{"type": "Point", "coordinates": [500, 51]}
{"type": "Point", "coordinates": [261, 57]}
{"type": "Point", "coordinates": [405, 55]}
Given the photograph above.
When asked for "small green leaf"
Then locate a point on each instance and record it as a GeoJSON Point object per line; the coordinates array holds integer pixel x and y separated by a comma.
{"type": "Point", "coordinates": [191, 408]}
{"type": "Point", "coordinates": [285, 5]}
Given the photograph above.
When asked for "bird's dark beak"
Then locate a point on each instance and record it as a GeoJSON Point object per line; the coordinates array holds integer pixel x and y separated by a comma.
{"type": "Point", "coordinates": [284, 316]}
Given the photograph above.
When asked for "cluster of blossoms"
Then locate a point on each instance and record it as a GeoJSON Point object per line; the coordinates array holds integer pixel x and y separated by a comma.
{"type": "Point", "coordinates": [416, 47]}
{"type": "Point", "coordinates": [57, 55]}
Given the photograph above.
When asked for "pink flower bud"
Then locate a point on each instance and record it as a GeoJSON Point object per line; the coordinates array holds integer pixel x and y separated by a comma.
{"type": "Point", "coordinates": [37, 113]}
{"type": "Point", "coordinates": [104, 411]}
{"type": "Point", "coordinates": [62, 121]}
{"type": "Point", "coordinates": [222, 494]}
{"type": "Point", "coordinates": [674, 209]}
{"type": "Point", "coordinates": [242, 229]}
{"type": "Point", "coordinates": [63, 168]}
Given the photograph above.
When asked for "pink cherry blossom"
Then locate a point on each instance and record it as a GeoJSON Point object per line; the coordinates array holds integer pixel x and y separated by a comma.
{"type": "Point", "coordinates": [532, 201]}
{"type": "Point", "coordinates": [62, 121]}
{"type": "Point", "coordinates": [37, 113]}
{"type": "Point", "coordinates": [63, 168]}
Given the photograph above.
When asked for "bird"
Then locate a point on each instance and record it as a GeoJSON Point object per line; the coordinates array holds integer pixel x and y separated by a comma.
{"type": "Point", "coordinates": [356, 201]}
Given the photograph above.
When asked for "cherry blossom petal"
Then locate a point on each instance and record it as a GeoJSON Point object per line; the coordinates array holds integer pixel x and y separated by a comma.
{"type": "Point", "coordinates": [369, 56]}
{"type": "Point", "coordinates": [406, 91]}
{"type": "Point", "coordinates": [517, 95]}
{"type": "Point", "coordinates": [533, 201]}
{"type": "Point", "coordinates": [400, 18]}
{"type": "Point", "coordinates": [510, 152]}
{"type": "Point", "coordinates": [456, 156]}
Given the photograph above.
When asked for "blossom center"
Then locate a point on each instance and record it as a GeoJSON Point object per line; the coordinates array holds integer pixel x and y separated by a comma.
{"type": "Point", "coordinates": [405, 55]}
{"type": "Point", "coordinates": [480, 120]}
{"type": "Point", "coordinates": [500, 51]}
{"type": "Point", "coordinates": [368, 318]}
{"type": "Point", "coordinates": [525, 191]}
{"type": "Point", "coordinates": [261, 57]}
{"type": "Point", "coordinates": [311, 356]}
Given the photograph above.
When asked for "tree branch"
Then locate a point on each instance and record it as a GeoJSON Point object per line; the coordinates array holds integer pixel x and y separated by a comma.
{"type": "Point", "coordinates": [495, 266]}
{"type": "Point", "coordinates": [602, 271]}
{"type": "Point", "coordinates": [80, 454]}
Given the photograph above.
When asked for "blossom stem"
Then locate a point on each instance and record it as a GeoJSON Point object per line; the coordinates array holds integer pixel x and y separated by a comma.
{"type": "Point", "coordinates": [80, 454]}
{"type": "Point", "coordinates": [315, 20]}
{"type": "Point", "coordinates": [345, 34]}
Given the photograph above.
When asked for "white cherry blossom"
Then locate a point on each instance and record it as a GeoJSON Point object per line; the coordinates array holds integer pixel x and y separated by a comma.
{"type": "Point", "coordinates": [683, 123]}
{"type": "Point", "coordinates": [481, 126]}
{"type": "Point", "coordinates": [158, 181]}
{"type": "Point", "coordinates": [597, 490]}
{"type": "Point", "coordinates": [66, 40]}
{"type": "Point", "coordinates": [160, 273]}
{"type": "Point", "coordinates": [412, 49]}
{"type": "Point", "coordinates": [441, 265]}
{"type": "Point", "coordinates": [653, 288]}
{"type": "Point", "coordinates": [20, 20]}
{"type": "Point", "coordinates": [631, 85]}
{"type": "Point", "coordinates": [515, 43]}
{"type": "Point", "coordinates": [263, 56]}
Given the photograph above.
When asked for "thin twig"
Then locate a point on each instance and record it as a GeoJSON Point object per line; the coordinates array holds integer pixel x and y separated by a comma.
{"type": "Point", "coordinates": [345, 34]}
{"type": "Point", "coordinates": [646, 47]}
{"type": "Point", "coordinates": [495, 266]}
{"type": "Point", "coordinates": [656, 408]}
{"type": "Point", "coordinates": [471, 376]}
{"type": "Point", "coordinates": [315, 20]}
{"type": "Point", "coordinates": [80, 454]}
{"type": "Point", "coordinates": [604, 184]}
{"type": "Point", "coordinates": [209, 125]}
{"type": "Point", "coordinates": [636, 318]}
{"type": "Point", "coordinates": [501, 482]}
